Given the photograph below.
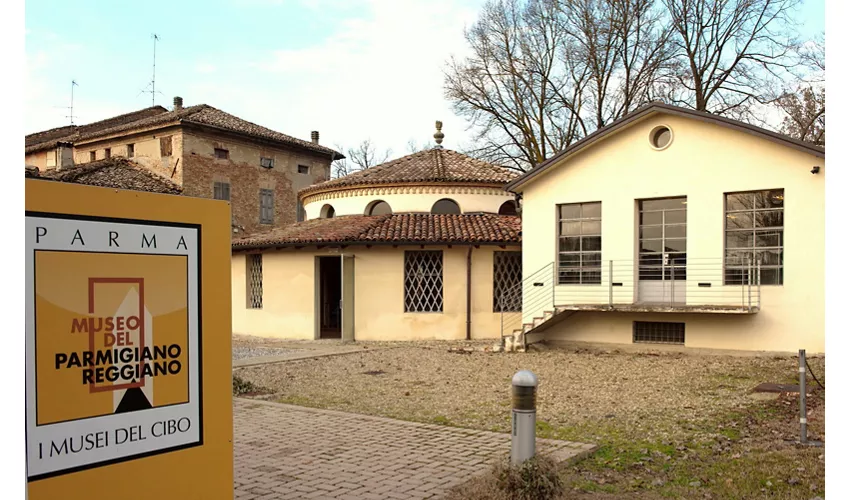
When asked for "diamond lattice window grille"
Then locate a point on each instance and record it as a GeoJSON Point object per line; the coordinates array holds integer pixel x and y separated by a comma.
{"type": "Point", "coordinates": [507, 276]}
{"type": "Point", "coordinates": [255, 281]}
{"type": "Point", "coordinates": [423, 281]}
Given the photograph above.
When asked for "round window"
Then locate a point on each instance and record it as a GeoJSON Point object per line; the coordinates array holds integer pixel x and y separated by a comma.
{"type": "Point", "coordinates": [660, 137]}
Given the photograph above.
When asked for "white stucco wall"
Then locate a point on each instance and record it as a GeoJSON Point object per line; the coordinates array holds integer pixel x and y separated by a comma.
{"type": "Point", "coordinates": [289, 295]}
{"type": "Point", "coordinates": [703, 162]}
{"type": "Point", "coordinates": [404, 200]}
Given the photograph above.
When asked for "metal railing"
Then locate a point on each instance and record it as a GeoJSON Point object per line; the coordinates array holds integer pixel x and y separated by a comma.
{"type": "Point", "coordinates": [534, 293]}
{"type": "Point", "coordinates": [695, 284]}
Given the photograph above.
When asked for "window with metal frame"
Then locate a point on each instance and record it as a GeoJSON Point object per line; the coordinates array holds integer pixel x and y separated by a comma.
{"type": "Point", "coordinates": [266, 206]}
{"type": "Point", "coordinates": [221, 191]}
{"type": "Point", "coordinates": [254, 274]}
{"type": "Point", "coordinates": [580, 244]}
{"type": "Point", "coordinates": [267, 162]}
{"type": "Point", "coordinates": [507, 276]}
{"type": "Point", "coordinates": [423, 281]}
{"type": "Point", "coordinates": [658, 332]}
{"type": "Point", "coordinates": [755, 223]}
{"type": "Point", "coordinates": [663, 239]}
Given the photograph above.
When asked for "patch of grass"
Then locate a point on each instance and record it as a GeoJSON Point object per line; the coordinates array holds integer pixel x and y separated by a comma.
{"type": "Point", "coordinates": [536, 479]}
{"type": "Point", "coordinates": [441, 420]}
{"type": "Point", "coordinates": [298, 401]}
{"type": "Point", "coordinates": [242, 387]}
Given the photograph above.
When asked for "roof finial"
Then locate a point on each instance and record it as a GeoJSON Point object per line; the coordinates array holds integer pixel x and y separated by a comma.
{"type": "Point", "coordinates": [438, 135]}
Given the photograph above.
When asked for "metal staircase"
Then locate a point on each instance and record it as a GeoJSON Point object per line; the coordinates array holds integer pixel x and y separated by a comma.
{"type": "Point", "coordinates": [535, 294]}
{"type": "Point", "coordinates": [701, 286]}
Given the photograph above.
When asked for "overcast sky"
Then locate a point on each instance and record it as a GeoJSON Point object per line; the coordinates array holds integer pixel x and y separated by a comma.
{"type": "Point", "coordinates": [352, 69]}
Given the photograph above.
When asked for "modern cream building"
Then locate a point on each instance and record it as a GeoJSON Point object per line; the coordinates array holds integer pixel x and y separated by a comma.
{"type": "Point", "coordinates": [676, 226]}
{"type": "Point", "coordinates": [415, 248]}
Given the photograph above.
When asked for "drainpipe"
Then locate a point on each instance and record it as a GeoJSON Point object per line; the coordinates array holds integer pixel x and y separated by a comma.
{"type": "Point", "coordinates": [469, 294]}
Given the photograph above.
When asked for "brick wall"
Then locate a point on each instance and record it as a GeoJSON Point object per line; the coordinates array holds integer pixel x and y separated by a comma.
{"type": "Point", "coordinates": [242, 170]}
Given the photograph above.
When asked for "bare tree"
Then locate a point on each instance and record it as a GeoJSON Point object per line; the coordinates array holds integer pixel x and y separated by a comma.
{"type": "Point", "coordinates": [729, 53]}
{"type": "Point", "coordinates": [805, 114]}
{"type": "Point", "coordinates": [364, 156]}
{"type": "Point", "coordinates": [513, 88]}
{"type": "Point", "coordinates": [645, 53]}
{"type": "Point", "coordinates": [623, 46]}
{"type": "Point", "coordinates": [412, 147]}
{"type": "Point", "coordinates": [804, 105]}
{"type": "Point", "coordinates": [545, 73]}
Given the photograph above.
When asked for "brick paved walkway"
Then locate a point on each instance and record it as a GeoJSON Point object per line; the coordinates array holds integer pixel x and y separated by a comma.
{"type": "Point", "coordinates": [284, 451]}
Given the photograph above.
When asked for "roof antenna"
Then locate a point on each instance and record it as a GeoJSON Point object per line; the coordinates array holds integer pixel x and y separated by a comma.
{"type": "Point", "coordinates": [152, 84]}
{"type": "Point", "coordinates": [71, 108]}
{"type": "Point", "coordinates": [71, 116]}
{"type": "Point", "coordinates": [438, 135]}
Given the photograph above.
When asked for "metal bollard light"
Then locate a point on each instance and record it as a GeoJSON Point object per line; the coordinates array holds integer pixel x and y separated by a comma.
{"type": "Point", "coordinates": [523, 417]}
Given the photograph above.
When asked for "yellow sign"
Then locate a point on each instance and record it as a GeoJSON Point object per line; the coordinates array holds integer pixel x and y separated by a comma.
{"type": "Point", "coordinates": [128, 343]}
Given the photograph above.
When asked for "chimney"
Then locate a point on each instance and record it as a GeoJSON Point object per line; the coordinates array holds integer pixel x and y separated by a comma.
{"type": "Point", "coordinates": [314, 136]}
{"type": "Point", "coordinates": [178, 103]}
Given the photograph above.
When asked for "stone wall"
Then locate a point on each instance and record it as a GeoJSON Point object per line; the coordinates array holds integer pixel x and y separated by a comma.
{"type": "Point", "coordinates": [150, 149]}
{"type": "Point", "coordinates": [243, 171]}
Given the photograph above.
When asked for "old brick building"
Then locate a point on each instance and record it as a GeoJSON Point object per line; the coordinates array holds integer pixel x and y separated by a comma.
{"type": "Point", "coordinates": [209, 153]}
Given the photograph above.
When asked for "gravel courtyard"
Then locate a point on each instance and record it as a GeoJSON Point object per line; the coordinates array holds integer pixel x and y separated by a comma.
{"type": "Point", "coordinates": [667, 423]}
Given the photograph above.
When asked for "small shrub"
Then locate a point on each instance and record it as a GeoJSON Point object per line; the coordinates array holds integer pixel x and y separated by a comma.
{"type": "Point", "coordinates": [536, 479]}
{"type": "Point", "coordinates": [242, 387]}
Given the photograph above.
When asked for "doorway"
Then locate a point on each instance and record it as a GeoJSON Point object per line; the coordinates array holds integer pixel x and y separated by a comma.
{"type": "Point", "coordinates": [329, 297]}
{"type": "Point", "coordinates": [662, 266]}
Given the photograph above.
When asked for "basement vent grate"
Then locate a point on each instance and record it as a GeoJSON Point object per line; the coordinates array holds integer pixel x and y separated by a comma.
{"type": "Point", "coordinates": [659, 332]}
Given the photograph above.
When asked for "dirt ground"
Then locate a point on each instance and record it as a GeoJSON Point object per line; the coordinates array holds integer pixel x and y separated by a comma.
{"type": "Point", "coordinates": [668, 424]}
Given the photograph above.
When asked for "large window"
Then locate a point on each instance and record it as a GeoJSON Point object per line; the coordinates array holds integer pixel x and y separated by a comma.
{"type": "Point", "coordinates": [580, 244]}
{"type": "Point", "coordinates": [423, 281]}
{"type": "Point", "coordinates": [754, 237]}
{"type": "Point", "coordinates": [507, 276]}
{"type": "Point", "coordinates": [254, 274]}
{"type": "Point", "coordinates": [266, 206]}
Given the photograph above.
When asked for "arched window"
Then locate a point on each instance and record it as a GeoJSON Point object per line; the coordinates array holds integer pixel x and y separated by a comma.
{"type": "Point", "coordinates": [508, 208]}
{"type": "Point", "coordinates": [445, 206]}
{"type": "Point", "coordinates": [379, 207]}
{"type": "Point", "coordinates": [327, 212]}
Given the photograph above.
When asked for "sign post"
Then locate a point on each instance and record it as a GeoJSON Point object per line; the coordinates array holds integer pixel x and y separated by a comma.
{"type": "Point", "coordinates": [128, 390]}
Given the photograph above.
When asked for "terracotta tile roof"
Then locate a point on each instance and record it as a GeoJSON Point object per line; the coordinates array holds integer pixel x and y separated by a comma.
{"type": "Point", "coordinates": [393, 228]}
{"type": "Point", "coordinates": [428, 166]}
{"type": "Point", "coordinates": [47, 139]}
{"type": "Point", "coordinates": [208, 116]}
{"type": "Point", "coordinates": [201, 115]}
{"type": "Point", "coordinates": [118, 173]}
